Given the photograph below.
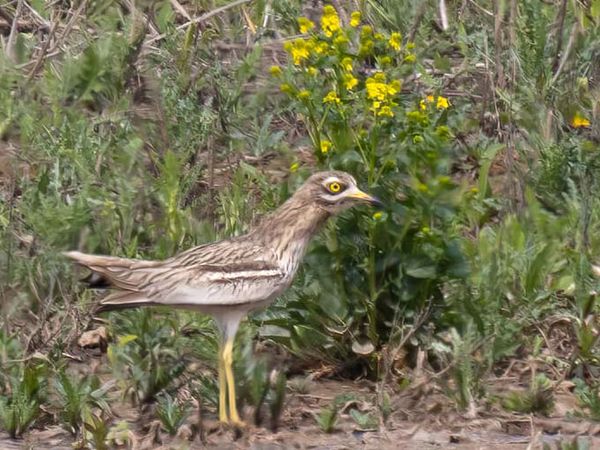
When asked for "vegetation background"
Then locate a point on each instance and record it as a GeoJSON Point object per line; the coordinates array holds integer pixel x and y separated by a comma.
{"type": "Point", "coordinates": [143, 128]}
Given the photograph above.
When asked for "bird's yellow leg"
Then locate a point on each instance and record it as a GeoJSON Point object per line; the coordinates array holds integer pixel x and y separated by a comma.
{"type": "Point", "coordinates": [222, 389]}
{"type": "Point", "coordinates": [228, 360]}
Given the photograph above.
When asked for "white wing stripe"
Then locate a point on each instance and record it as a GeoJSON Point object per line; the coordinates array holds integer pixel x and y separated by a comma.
{"type": "Point", "coordinates": [245, 274]}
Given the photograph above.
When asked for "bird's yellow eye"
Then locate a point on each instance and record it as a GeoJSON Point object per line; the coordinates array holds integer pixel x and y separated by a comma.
{"type": "Point", "coordinates": [334, 187]}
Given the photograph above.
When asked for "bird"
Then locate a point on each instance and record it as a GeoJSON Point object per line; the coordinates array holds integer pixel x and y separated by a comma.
{"type": "Point", "coordinates": [228, 279]}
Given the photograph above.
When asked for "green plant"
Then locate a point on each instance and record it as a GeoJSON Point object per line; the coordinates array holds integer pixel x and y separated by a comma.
{"type": "Point", "coordinates": [365, 421]}
{"type": "Point", "coordinates": [539, 398]}
{"type": "Point", "coordinates": [77, 399]}
{"type": "Point", "coordinates": [20, 406]}
{"type": "Point", "coordinates": [589, 399]}
{"type": "Point", "coordinates": [347, 84]}
{"type": "Point", "coordinates": [97, 431]}
{"type": "Point", "coordinates": [277, 398]}
{"type": "Point", "coordinates": [145, 359]}
{"type": "Point", "coordinates": [172, 413]}
{"type": "Point", "coordinates": [327, 418]}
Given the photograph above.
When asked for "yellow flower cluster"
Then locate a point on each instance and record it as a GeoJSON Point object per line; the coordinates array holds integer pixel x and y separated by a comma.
{"type": "Point", "coordinates": [579, 121]}
{"type": "Point", "coordinates": [395, 41]}
{"type": "Point", "coordinates": [366, 41]}
{"type": "Point", "coordinates": [355, 19]}
{"type": "Point", "coordinates": [331, 97]}
{"type": "Point", "coordinates": [299, 49]}
{"type": "Point", "coordinates": [275, 71]}
{"type": "Point", "coordinates": [330, 21]}
{"type": "Point", "coordinates": [305, 25]}
{"type": "Point", "coordinates": [382, 94]}
{"type": "Point", "coordinates": [325, 146]}
{"type": "Point", "coordinates": [350, 81]}
{"type": "Point", "coordinates": [440, 102]}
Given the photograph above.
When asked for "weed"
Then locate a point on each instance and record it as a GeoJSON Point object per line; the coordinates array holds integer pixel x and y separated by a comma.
{"type": "Point", "coordinates": [20, 407]}
{"type": "Point", "coordinates": [172, 413]}
{"type": "Point", "coordinates": [539, 398]}
{"type": "Point", "coordinates": [77, 399]}
{"type": "Point", "coordinates": [365, 421]}
{"type": "Point", "coordinates": [97, 431]}
{"type": "Point", "coordinates": [144, 358]}
{"type": "Point", "coordinates": [277, 398]}
{"type": "Point", "coordinates": [589, 399]}
{"type": "Point", "coordinates": [327, 418]}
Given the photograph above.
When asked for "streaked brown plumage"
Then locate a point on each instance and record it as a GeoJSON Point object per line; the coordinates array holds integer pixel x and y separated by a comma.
{"type": "Point", "coordinates": [229, 278]}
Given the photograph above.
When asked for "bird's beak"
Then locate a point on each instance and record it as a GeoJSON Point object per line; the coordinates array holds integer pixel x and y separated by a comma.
{"type": "Point", "coordinates": [360, 195]}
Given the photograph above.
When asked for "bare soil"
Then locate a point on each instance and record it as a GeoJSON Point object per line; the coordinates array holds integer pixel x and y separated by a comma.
{"type": "Point", "coordinates": [422, 418]}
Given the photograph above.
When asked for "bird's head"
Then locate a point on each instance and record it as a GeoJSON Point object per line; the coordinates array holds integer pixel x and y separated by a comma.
{"type": "Point", "coordinates": [335, 191]}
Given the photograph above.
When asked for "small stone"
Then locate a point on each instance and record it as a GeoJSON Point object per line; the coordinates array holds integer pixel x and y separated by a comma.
{"type": "Point", "coordinates": [94, 338]}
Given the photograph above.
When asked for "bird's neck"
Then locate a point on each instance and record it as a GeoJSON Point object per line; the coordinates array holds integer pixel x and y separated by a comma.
{"type": "Point", "coordinates": [289, 229]}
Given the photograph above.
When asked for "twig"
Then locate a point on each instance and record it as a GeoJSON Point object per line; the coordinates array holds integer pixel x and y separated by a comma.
{"type": "Point", "coordinates": [37, 15]}
{"type": "Point", "coordinates": [418, 18]}
{"type": "Point", "coordinates": [559, 34]}
{"type": "Point", "coordinates": [10, 44]}
{"type": "Point", "coordinates": [481, 8]}
{"type": "Point", "coordinates": [43, 53]}
{"type": "Point", "coordinates": [443, 15]}
{"type": "Point", "coordinates": [567, 52]}
{"type": "Point", "coordinates": [202, 18]}
{"type": "Point", "coordinates": [180, 9]}
{"type": "Point", "coordinates": [498, 43]}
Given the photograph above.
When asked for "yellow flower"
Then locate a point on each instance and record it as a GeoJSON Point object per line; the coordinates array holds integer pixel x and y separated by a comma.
{"type": "Point", "coordinates": [365, 32]}
{"type": "Point", "coordinates": [331, 97]}
{"type": "Point", "coordinates": [325, 146]}
{"type": "Point", "coordinates": [275, 71]}
{"type": "Point", "coordinates": [320, 47]}
{"type": "Point", "coordinates": [396, 85]}
{"type": "Point", "coordinates": [312, 71]}
{"type": "Point", "coordinates": [410, 58]}
{"type": "Point", "coordinates": [350, 81]}
{"type": "Point", "coordinates": [330, 22]}
{"type": "Point", "coordinates": [355, 19]}
{"type": "Point", "coordinates": [378, 215]}
{"type": "Point", "coordinates": [410, 46]}
{"type": "Point", "coordinates": [294, 167]}
{"type": "Point", "coordinates": [395, 41]}
{"type": "Point", "coordinates": [347, 64]}
{"type": "Point", "coordinates": [299, 49]}
{"type": "Point", "coordinates": [579, 121]}
{"type": "Point", "coordinates": [366, 48]}
{"type": "Point", "coordinates": [417, 139]}
{"type": "Point", "coordinates": [385, 61]}
{"type": "Point", "coordinates": [340, 40]}
{"type": "Point", "coordinates": [303, 95]}
{"type": "Point", "coordinates": [286, 88]}
{"type": "Point", "coordinates": [385, 111]}
{"type": "Point", "coordinates": [428, 99]}
{"type": "Point", "coordinates": [442, 103]}
{"type": "Point", "coordinates": [379, 36]}
{"type": "Point", "coordinates": [305, 25]}
{"type": "Point", "coordinates": [377, 89]}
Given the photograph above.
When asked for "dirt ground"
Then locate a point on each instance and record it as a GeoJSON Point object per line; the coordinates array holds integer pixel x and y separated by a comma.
{"type": "Point", "coordinates": [422, 419]}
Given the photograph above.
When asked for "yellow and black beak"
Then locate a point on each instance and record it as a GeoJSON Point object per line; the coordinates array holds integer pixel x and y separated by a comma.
{"type": "Point", "coordinates": [360, 195]}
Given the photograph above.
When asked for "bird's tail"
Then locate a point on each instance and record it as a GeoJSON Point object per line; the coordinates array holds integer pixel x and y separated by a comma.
{"type": "Point", "coordinates": [125, 275]}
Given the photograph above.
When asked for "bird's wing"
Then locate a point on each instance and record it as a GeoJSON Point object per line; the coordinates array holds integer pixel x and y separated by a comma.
{"type": "Point", "coordinates": [223, 273]}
